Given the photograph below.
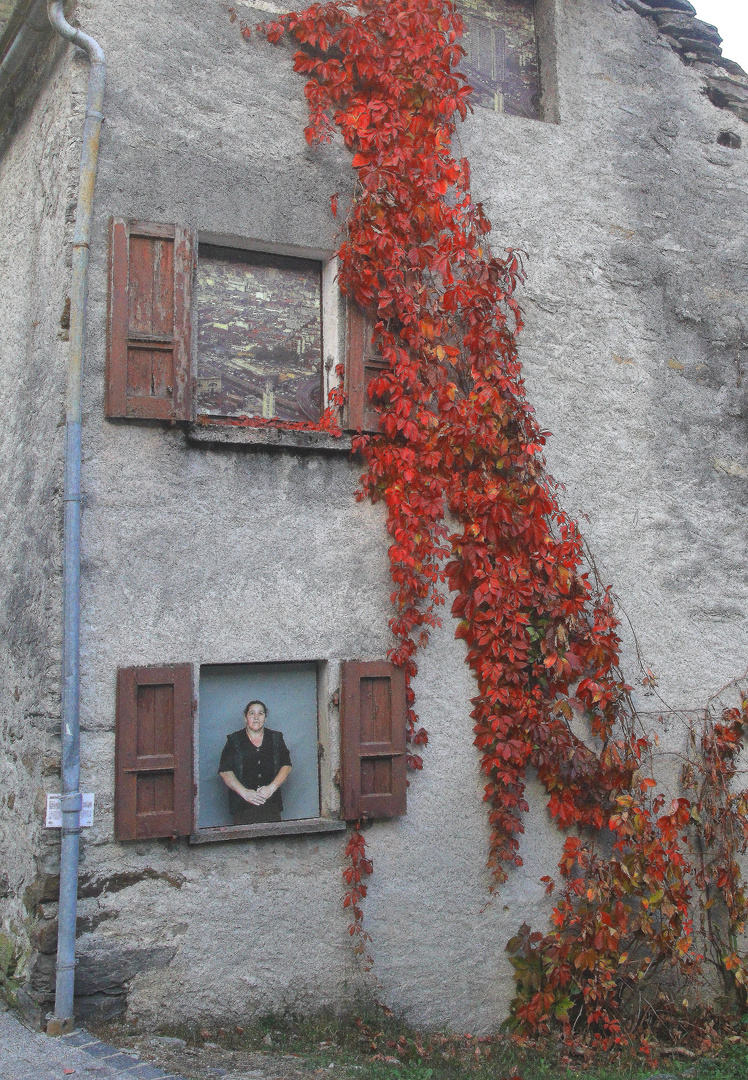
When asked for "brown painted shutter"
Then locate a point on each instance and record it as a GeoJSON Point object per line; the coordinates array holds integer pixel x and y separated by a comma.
{"type": "Point", "coordinates": [373, 714]}
{"type": "Point", "coordinates": [153, 789]}
{"type": "Point", "coordinates": [148, 355]}
{"type": "Point", "coordinates": [363, 363]}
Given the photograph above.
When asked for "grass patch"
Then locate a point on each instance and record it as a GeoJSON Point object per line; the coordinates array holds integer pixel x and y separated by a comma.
{"type": "Point", "coordinates": [379, 1047]}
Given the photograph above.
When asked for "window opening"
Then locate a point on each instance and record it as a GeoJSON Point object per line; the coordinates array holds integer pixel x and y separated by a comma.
{"type": "Point", "coordinates": [259, 335]}
{"type": "Point", "coordinates": [502, 55]}
{"type": "Point", "coordinates": [289, 690]}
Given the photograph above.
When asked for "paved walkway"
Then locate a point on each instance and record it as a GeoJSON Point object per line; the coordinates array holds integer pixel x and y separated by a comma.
{"type": "Point", "coordinates": [30, 1055]}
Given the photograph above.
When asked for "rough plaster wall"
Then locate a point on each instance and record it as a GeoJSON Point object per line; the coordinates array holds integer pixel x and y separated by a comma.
{"type": "Point", "coordinates": [220, 555]}
{"type": "Point", "coordinates": [628, 209]}
{"type": "Point", "coordinates": [438, 935]}
{"type": "Point", "coordinates": [634, 349]}
{"type": "Point", "coordinates": [634, 221]}
{"type": "Point", "coordinates": [214, 555]}
{"type": "Point", "coordinates": [35, 209]}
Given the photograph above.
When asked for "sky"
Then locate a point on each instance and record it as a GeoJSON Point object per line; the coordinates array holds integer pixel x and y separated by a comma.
{"type": "Point", "coordinates": [731, 19]}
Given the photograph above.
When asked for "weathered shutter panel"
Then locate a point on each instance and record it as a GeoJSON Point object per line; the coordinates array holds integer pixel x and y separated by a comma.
{"type": "Point", "coordinates": [153, 786]}
{"type": "Point", "coordinates": [373, 715]}
{"type": "Point", "coordinates": [363, 363]}
{"type": "Point", "coordinates": [148, 356]}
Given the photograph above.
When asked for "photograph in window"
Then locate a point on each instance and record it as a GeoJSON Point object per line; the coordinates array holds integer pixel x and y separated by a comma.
{"type": "Point", "coordinates": [257, 744]}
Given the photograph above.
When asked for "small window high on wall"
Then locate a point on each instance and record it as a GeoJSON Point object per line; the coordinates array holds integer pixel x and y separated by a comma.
{"type": "Point", "coordinates": [501, 61]}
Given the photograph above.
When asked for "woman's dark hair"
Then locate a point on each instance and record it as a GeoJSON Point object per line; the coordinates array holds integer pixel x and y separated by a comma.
{"type": "Point", "coordinates": [251, 703]}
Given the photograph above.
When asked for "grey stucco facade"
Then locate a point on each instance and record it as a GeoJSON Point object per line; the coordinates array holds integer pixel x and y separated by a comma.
{"type": "Point", "coordinates": [633, 217]}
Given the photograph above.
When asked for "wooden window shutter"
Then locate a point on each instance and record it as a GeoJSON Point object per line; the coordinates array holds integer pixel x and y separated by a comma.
{"type": "Point", "coordinates": [148, 353]}
{"type": "Point", "coordinates": [373, 715]}
{"type": "Point", "coordinates": [363, 363]}
{"type": "Point", "coordinates": [153, 785]}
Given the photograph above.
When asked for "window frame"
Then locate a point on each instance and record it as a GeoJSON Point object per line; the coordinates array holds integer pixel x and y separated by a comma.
{"type": "Point", "coordinates": [339, 752]}
{"type": "Point", "coordinates": [179, 404]}
{"type": "Point", "coordinates": [328, 758]}
{"type": "Point", "coordinates": [544, 17]}
{"type": "Point", "coordinates": [330, 304]}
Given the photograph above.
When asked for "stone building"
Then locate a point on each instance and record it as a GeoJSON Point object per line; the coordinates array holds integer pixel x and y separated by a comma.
{"type": "Point", "coordinates": [222, 563]}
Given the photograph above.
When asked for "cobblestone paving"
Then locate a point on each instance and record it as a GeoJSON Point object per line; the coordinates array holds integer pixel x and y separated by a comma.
{"type": "Point", "coordinates": [30, 1055]}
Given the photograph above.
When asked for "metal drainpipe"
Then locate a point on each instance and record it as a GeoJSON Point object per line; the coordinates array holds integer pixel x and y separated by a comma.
{"type": "Point", "coordinates": [62, 1019]}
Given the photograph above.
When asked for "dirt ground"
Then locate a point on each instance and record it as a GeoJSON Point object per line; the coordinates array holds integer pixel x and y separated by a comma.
{"type": "Point", "coordinates": [210, 1061]}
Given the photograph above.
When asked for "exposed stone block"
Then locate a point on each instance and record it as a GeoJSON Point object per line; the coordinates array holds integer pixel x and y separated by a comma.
{"type": "Point", "coordinates": [678, 25]}
{"type": "Point", "coordinates": [638, 7]}
{"type": "Point", "coordinates": [734, 91]}
{"type": "Point", "coordinates": [44, 889]}
{"type": "Point", "coordinates": [107, 968]}
{"type": "Point", "coordinates": [33, 1007]}
{"type": "Point", "coordinates": [42, 971]}
{"type": "Point", "coordinates": [684, 40]}
{"type": "Point", "coordinates": [671, 5]}
{"type": "Point", "coordinates": [44, 934]}
{"type": "Point", "coordinates": [95, 886]}
{"type": "Point", "coordinates": [704, 50]}
{"type": "Point", "coordinates": [100, 974]}
{"type": "Point", "coordinates": [707, 31]}
{"type": "Point", "coordinates": [726, 94]}
{"type": "Point", "coordinates": [670, 22]}
{"type": "Point", "coordinates": [101, 1006]}
{"type": "Point", "coordinates": [731, 66]}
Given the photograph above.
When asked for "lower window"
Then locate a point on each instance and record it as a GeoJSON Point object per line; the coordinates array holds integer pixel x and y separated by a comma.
{"type": "Point", "coordinates": [257, 730]}
{"type": "Point", "coordinates": [279, 748]}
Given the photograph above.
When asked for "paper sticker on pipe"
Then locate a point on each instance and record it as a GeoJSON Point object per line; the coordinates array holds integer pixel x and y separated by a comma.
{"type": "Point", "coordinates": [54, 811]}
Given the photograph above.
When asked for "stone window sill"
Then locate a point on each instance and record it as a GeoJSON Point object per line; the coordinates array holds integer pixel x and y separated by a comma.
{"type": "Point", "coordinates": [268, 438]}
{"type": "Point", "coordinates": [270, 828]}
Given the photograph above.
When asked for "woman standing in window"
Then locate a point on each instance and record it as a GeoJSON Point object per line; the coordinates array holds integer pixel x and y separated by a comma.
{"type": "Point", "coordinates": [254, 763]}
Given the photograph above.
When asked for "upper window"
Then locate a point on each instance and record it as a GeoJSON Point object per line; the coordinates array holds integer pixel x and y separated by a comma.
{"type": "Point", "coordinates": [259, 335]}
{"type": "Point", "coordinates": [501, 59]}
{"type": "Point", "coordinates": [216, 332]}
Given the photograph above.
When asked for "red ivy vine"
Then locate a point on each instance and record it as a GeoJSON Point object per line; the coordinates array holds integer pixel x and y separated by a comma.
{"type": "Point", "coordinates": [458, 441]}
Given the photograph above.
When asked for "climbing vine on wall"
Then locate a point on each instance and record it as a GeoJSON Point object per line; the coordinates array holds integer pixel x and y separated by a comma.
{"type": "Point", "coordinates": [458, 443]}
